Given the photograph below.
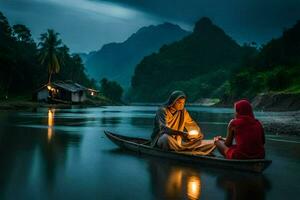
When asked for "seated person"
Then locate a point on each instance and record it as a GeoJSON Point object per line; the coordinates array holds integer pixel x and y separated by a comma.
{"type": "Point", "coordinates": [247, 132]}
{"type": "Point", "coordinates": [171, 120]}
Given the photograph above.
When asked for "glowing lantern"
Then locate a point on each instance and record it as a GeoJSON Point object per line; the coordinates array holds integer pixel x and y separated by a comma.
{"type": "Point", "coordinates": [193, 133]}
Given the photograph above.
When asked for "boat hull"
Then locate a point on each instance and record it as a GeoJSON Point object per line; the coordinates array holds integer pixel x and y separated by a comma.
{"type": "Point", "coordinates": [138, 145]}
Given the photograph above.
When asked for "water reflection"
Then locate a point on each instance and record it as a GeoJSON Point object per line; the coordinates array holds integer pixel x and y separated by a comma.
{"type": "Point", "coordinates": [174, 182]}
{"type": "Point", "coordinates": [244, 185]}
{"type": "Point", "coordinates": [194, 187]}
{"type": "Point", "coordinates": [142, 121]}
{"type": "Point", "coordinates": [112, 121]}
{"type": "Point", "coordinates": [50, 123]}
{"type": "Point", "coordinates": [212, 124]}
{"type": "Point", "coordinates": [33, 155]}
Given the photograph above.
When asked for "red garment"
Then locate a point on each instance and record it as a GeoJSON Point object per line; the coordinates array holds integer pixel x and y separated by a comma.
{"type": "Point", "coordinates": [248, 133]}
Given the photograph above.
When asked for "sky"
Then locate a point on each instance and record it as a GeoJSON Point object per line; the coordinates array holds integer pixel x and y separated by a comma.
{"type": "Point", "coordinates": [86, 25]}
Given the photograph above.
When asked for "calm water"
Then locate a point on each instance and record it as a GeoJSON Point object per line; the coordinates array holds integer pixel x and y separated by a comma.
{"type": "Point", "coordinates": [64, 154]}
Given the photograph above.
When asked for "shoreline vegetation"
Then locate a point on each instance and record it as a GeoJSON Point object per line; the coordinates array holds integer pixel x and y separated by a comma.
{"type": "Point", "coordinates": [26, 103]}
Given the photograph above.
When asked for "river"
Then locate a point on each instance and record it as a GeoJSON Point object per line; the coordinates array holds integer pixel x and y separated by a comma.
{"type": "Point", "coordinates": [64, 154]}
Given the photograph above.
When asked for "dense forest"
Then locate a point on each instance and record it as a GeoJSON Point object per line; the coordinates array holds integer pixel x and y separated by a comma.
{"type": "Point", "coordinates": [210, 64]}
{"type": "Point", "coordinates": [275, 68]}
{"type": "Point", "coordinates": [26, 65]}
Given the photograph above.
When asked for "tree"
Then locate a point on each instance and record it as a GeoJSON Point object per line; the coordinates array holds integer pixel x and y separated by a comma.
{"type": "Point", "coordinates": [6, 54]}
{"type": "Point", "coordinates": [22, 33]}
{"type": "Point", "coordinates": [111, 89]}
{"type": "Point", "coordinates": [21, 71]}
{"type": "Point", "coordinates": [5, 29]}
{"type": "Point", "coordinates": [49, 47]}
{"type": "Point", "coordinates": [77, 68]}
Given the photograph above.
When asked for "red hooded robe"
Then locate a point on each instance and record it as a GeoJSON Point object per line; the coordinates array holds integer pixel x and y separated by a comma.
{"type": "Point", "coordinates": [248, 133]}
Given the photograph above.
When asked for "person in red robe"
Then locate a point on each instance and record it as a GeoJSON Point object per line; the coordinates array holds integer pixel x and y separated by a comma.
{"type": "Point", "coordinates": [247, 132]}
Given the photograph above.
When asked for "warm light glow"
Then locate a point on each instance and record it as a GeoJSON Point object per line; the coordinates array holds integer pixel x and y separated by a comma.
{"type": "Point", "coordinates": [183, 183]}
{"type": "Point", "coordinates": [49, 87]}
{"type": "Point", "coordinates": [50, 123]}
{"type": "Point", "coordinates": [193, 132]}
{"type": "Point", "coordinates": [92, 93]}
{"type": "Point", "coordinates": [50, 117]}
{"type": "Point", "coordinates": [193, 187]}
{"type": "Point", "coordinates": [173, 185]}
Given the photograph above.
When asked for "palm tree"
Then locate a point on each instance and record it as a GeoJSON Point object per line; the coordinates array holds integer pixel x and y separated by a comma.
{"type": "Point", "coordinates": [49, 47]}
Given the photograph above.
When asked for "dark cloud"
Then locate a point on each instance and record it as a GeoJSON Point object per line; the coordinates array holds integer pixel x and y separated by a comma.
{"type": "Point", "coordinates": [86, 25]}
{"type": "Point", "coordinates": [244, 20]}
{"type": "Point", "coordinates": [83, 25]}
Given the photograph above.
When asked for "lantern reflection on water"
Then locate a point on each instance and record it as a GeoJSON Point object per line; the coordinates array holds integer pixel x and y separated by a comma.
{"type": "Point", "coordinates": [50, 123]}
{"type": "Point", "coordinates": [174, 182]}
{"type": "Point", "coordinates": [193, 187]}
{"type": "Point", "coordinates": [183, 183]}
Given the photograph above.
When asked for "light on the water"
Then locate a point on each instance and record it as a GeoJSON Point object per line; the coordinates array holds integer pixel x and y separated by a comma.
{"type": "Point", "coordinates": [50, 123]}
{"type": "Point", "coordinates": [193, 187]}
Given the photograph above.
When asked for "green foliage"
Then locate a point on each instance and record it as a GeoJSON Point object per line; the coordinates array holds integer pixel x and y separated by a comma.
{"type": "Point", "coordinates": [22, 71]}
{"type": "Point", "coordinates": [275, 68]}
{"type": "Point", "coordinates": [111, 89]}
{"type": "Point", "coordinates": [198, 64]}
{"type": "Point", "coordinates": [49, 46]}
{"type": "Point", "coordinates": [208, 63]}
{"type": "Point", "coordinates": [22, 33]}
{"type": "Point", "coordinates": [249, 83]}
{"type": "Point", "coordinates": [278, 79]}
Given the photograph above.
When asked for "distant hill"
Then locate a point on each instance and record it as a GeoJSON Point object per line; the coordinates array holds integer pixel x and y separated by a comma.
{"type": "Point", "coordinates": [85, 56]}
{"type": "Point", "coordinates": [116, 61]}
{"type": "Point", "coordinates": [199, 64]}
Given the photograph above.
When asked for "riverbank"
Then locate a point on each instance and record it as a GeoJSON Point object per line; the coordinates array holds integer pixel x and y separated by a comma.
{"type": "Point", "coordinates": [277, 101]}
{"type": "Point", "coordinates": [282, 123]}
{"type": "Point", "coordinates": [26, 104]}
{"type": "Point", "coordinates": [279, 122]}
{"type": "Point", "coordinates": [271, 101]}
{"type": "Point", "coordinates": [284, 111]}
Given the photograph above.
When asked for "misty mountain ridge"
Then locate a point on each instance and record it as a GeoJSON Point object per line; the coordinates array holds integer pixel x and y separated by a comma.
{"type": "Point", "coordinates": [116, 61]}
{"type": "Point", "coordinates": [199, 64]}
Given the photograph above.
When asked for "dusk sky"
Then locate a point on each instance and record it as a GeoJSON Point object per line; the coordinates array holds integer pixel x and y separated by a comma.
{"type": "Point", "coordinates": [85, 25]}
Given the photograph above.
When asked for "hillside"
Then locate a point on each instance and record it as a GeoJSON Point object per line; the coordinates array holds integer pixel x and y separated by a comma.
{"type": "Point", "coordinates": [116, 61]}
{"type": "Point", "coordinates": [199, 64]}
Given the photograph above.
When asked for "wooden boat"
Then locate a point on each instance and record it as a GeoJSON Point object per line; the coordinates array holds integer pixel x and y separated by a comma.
{"type": "Point", "coordinates": [142, 146]}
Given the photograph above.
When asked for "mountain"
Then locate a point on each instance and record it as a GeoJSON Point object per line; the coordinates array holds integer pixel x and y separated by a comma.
{"type": "Point", "coordinates": [85, 56]}
{"type": "Point", "coordinates": [116, 61]}
{"type": "Point", "coordinates": [199, 64]}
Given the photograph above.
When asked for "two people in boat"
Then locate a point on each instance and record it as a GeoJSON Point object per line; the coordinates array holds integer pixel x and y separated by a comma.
{"type": "Point", "coordinates": [174, 129]}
